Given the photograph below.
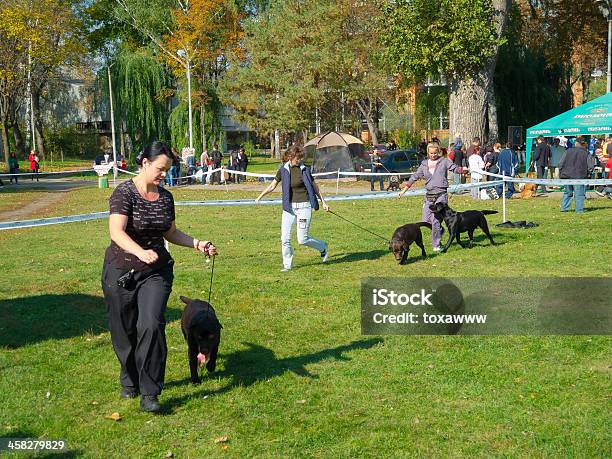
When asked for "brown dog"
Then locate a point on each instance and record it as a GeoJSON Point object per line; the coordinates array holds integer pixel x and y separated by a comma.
{"type": "Point", "coordinates": [528, 190]}
{"type": "Point", "coordinates": [403, 237]}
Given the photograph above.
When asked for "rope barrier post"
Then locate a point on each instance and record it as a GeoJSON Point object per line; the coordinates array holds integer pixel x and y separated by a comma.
{"type": "Point", "coordinates": [338, 182]}
{"type": "Point", "coordinates": [504, 198]}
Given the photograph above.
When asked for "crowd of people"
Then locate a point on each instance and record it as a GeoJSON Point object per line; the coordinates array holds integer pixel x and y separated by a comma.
{"type": "Point", "coordinates": [186, 169]}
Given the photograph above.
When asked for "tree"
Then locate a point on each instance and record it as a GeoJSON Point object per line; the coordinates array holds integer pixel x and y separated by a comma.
{"type": "Point", "coordinates": [570, 33]}
{"type": "Point", "coordinates": [54, 39]}
{"type": "Point", "coordinates": [303, 61]}
{"type": "Point", "coordinates": [194, 33]}
{"type": "Point", "coordinates": [457, 39]}
{"type": "Point", "coordinates": [13, 60]}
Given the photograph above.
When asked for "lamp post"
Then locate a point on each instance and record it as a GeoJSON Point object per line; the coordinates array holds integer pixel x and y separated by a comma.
{"type": "Point", "coordinates": [606, 9]}
{"type": "Point", "coordinates": [183, 54]}
{"type": "Point", "coordinates": [112, 117]}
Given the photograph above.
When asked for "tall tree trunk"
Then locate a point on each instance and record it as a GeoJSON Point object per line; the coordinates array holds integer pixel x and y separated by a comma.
{"type": "Point", "coordinates": [5, 139]}
{"type": "Point", "coordinates": [492, 116]}
{"type": "Point", "coordinates": [38, 127]}
{"type": "Point", "coordinates": [469, 92]}
{"type": "Point", "coordinates": [367, 113]}
{"type": "Point", "coordinates": [20, 145]}
{"type": "Point", "coordinates": [4, 121]}
{"type": "Point", "coordinates": [203, 126]}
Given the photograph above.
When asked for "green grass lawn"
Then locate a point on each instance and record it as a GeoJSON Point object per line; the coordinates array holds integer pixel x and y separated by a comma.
{"type": "Point", "coordinates": [295, 376]}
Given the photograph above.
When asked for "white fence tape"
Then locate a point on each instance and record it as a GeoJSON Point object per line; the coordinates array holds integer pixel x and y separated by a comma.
{"type": "Point", "coordinates": [40, 173]}
{"type": "Point", "coordinates": [558, 182]}
{"type": "Point", "coordinates": [230, 203]}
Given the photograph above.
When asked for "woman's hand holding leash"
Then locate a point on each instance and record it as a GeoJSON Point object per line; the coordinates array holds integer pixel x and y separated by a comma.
{"type": "Point", "coordinates": [206, 247]}
{"type": "Point", "coordinates": [401, 193]}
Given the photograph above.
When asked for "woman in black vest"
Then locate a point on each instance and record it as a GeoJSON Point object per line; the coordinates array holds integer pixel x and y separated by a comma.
{"type": "Point", "coordinates": [300, 194]}
{"type": "Point", "coordinates": [137, 274]}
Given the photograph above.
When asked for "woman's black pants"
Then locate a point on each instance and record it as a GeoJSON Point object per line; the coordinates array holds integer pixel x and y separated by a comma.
{"type": "Point", "coordinates": [137, 325]}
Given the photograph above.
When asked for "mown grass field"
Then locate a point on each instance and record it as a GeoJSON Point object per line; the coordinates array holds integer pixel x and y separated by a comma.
{"type": "Point", "coordinates": [295, 377]}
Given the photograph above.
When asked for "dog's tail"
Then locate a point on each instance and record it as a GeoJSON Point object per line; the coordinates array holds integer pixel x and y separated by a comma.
{"type": "Point", "coordinates": [425, 224]}
{"type": "Point", "coordinates": [489, 212]}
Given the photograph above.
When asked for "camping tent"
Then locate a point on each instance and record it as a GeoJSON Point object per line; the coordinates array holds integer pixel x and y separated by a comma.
{"type": "Point", "coordinates": [333, 151]}
{"type": "Point", "coordinates": [591, 118]}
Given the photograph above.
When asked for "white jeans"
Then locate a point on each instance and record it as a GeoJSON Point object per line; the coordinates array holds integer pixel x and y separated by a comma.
{"type": "Point", "coordinates": [302, 212]}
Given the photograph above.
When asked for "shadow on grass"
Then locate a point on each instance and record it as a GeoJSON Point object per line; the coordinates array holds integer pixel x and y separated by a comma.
{"type": "Point", "coordinates": [31, 319]}
{"type": "Point", "coordinates": [14, 435]}
{"type": "Point", "coordinates": [359, 256]}
{"type": "Point", "coordinates": [257, 363]}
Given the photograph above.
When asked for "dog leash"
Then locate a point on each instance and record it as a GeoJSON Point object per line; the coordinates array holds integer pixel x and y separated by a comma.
{"type": "Point", "coordinates": [212, 271]}
{"type": "Point", "coordinates": [360, 227]}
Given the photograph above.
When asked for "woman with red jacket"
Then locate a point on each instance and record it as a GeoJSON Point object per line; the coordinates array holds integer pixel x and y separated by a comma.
{"type": "Point", "coordinates": [34, 166]}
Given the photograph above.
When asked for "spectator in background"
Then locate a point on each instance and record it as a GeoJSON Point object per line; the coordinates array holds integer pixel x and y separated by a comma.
{"type": "Point", "coordinates": [376, 168]}
{"type": "Point", "coordinates": [174, 172]}
{"type": "Point", "coordinates": [542, 160]}
{"type": "Point", "coordinates": [34, 164]}
{"type": "Point", "coordinates": [556, 153]}
{"type": "Point", "coordinates": [243, 162]}
{"type": "Point", "coordinates": [216, 156]}
{"type": "Point", "coordinates": [507, 162]}
{"type": "Point", "coordinates": [13, 167]}
{"type": "Point", "coordinates": [476, 163]}
{"type": "Point", "coordinates": [574, 165]}
{"type": "Point", "coordinates": [459, 161]}
{"type": "Point", "coordinates": [191, 166]}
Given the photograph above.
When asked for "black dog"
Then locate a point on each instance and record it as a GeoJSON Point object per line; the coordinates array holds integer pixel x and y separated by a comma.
{"type": "Point", "coordinates": [460, 222]}
{"type": "Point", "coordinates": [202, 331]}
{"type": "Point", "coordinates": [403, 237]}
{"type": "Point", "coordinates": [393, 183]}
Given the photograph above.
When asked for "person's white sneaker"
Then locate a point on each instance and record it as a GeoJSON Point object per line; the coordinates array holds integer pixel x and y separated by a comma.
{"type": "Point", "coordinates": [284, 270]}
{"type": "Point", "coordinates": [324, 255]}
{"type": "Point", "coordinates": [437, 249]}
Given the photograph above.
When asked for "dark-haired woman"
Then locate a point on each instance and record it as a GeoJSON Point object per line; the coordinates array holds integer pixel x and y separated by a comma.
{"type": "Point", "coordinates": [137, 274]}
{"type": "Point", "coordinates": [300, 193]}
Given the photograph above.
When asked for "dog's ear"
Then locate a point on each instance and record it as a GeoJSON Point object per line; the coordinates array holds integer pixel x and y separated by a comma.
{"type": "Point", "coordinates": [185, 300]}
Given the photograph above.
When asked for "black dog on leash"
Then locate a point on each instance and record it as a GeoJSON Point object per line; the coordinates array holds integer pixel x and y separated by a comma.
{"type": "Point", "coordinates": [403, 237]}
{"type": "Point", "coordinates": [202, 331]}
{"type": "Point", "coordinates": [393, 183]}
{"type": "Point", "coordinates": [460, 222]}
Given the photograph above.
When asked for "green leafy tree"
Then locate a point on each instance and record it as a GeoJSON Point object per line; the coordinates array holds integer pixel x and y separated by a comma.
{"type": "Point", "coordinates": [303, 62]}
{"type": "Point", "coordinates": [457, 39]}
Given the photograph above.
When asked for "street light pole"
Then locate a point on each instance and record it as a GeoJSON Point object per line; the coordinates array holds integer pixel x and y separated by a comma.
{"type": "Point", "coordinates": [609, 85]}
{"type": "Point", "coordinates": [112, 116]}
{"type": "Point", "coordinates": [606, 8]}
{"type": "Point", "coordinates": [182, 53]}
{"type": "Point", "coordinates": [189, 99]}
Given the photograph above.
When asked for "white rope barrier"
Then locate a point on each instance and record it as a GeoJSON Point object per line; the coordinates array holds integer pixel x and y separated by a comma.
{"type": "Point", "coordinates": [39, 173]}
{"type": "Point", "coordinates": [227, 203]}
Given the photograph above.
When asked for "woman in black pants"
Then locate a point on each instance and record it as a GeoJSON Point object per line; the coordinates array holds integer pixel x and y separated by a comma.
{"type": "Point", "coordinates": [137, 274]}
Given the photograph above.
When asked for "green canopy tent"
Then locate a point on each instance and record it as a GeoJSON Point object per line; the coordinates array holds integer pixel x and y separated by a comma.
{"type": "Point", "coordinates": [591, 118]}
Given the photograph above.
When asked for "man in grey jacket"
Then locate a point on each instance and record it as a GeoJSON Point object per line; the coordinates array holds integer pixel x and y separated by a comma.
{"type": "Point", "coordinates": [574, 165]}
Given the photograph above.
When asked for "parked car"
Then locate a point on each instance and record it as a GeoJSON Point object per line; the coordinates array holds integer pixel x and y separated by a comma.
{"type": "Point", "coordinates": [395, 161]}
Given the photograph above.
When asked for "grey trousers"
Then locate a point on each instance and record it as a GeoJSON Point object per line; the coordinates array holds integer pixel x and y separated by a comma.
{"type": "Point", "coordinates": [429, 217]}
{"type": "Point", "coordinates": [137, 326]}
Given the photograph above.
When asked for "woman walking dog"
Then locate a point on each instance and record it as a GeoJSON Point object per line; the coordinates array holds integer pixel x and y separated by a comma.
{"type": "Point", "coordinates": [300, 194]}
{"type": "Point", "coordinates": [137, 274]}
{"type": "Point", "coordinates": [434, 170]}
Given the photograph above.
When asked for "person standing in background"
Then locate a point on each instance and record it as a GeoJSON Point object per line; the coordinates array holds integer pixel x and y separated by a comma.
{"type": "Point", "coordinates": [542, 160]}
{"type": "Point", "coordinates": [14, 167]}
